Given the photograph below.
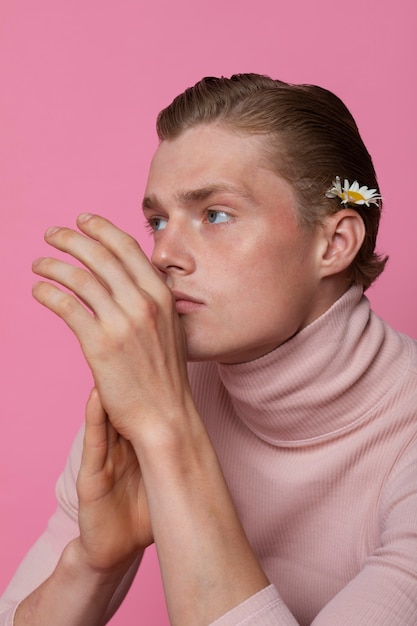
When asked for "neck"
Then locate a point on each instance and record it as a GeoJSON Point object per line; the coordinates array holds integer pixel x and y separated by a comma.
{"type": "Point", "coordinates": [309, 387]}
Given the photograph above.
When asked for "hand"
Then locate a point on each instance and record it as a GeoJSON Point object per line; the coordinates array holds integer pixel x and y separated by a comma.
{"type": "Point", "coordinates": [113, 511]}
{"type": "Point", "coordinates": [124, 317]}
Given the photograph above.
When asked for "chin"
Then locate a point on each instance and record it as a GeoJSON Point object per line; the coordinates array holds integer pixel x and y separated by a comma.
{"type": "Point", "coordinates": [202, 351]}
{"type": "Point", "coordinates": [196, 356]}
{"type": "Point", "coordinates": [216, 348]}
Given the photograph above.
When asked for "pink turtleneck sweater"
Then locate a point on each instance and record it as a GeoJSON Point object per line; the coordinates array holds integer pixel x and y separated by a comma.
{"type": "Point", "coordinates": [318, 444]}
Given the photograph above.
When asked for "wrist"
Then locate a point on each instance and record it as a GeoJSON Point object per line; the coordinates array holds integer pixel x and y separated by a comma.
{"type": "Point", "coordinates": [75, 562]}
{"type": "Point", "coordinates": [73, 578]}
{"type": "Point", "coordinates": [185, 486]}
{"type": "Point", "coordinates": [174, 440]}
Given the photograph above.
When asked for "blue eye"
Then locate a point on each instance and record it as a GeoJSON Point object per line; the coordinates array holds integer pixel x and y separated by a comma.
{"type": "Point", "coordinates": [217, 217]}
{"type": "Point", "coordinates": [157, 223]}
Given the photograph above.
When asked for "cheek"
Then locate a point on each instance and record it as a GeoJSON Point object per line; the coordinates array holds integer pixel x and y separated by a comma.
{"type": "Point", "coordinates": [258, 264]}
{"type": "Point", "coordinates": [240, 276]}
{"type": "Point", "coordinates": [274, 280]}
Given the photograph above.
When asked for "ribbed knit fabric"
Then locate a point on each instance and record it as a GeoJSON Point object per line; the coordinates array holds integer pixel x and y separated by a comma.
{"type": "Point", "coordinates": [318, 444]}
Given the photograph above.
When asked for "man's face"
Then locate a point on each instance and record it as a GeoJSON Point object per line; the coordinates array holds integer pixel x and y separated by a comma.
{"type": "Point", "coordinates": [245, 276]}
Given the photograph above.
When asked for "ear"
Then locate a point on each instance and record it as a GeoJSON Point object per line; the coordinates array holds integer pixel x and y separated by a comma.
{"type": "Point", "coordinates": [343, 234]}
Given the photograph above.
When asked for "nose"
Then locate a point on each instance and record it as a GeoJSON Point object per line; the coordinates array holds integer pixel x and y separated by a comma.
{"type": "Point", "coordinates": [172, 252]}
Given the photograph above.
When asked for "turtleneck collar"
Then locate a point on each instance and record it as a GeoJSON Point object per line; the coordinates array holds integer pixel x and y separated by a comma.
{"type": "Point", "coordinates": [323, 381]}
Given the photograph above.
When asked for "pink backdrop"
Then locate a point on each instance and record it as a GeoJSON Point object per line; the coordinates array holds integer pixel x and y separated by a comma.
{"type": "Point", "coordinates": [81, 84]}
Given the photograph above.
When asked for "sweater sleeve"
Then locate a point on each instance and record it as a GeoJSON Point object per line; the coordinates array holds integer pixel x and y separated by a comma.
{"type": "Point", "coordinates": [43, 556]}
{"type": "Point", "coordinates": [264, 608]}
{"type": "Point", "coordinates": [384, 592]}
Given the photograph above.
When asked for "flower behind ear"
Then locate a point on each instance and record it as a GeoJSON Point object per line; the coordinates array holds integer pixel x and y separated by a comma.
{"type": "Point", "coordinates": [353, 193]}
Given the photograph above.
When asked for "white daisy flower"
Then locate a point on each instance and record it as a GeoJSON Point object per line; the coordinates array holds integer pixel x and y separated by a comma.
{"type": "Point", "coordinates": [353, 193]}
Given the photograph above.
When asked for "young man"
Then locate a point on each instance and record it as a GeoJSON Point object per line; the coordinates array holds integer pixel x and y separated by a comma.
{"type": "Point", "coordinates": [277, 476]}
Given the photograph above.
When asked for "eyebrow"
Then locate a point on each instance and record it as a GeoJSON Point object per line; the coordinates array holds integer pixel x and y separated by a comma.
{"type": "Point", "coordinates": [190, 196]}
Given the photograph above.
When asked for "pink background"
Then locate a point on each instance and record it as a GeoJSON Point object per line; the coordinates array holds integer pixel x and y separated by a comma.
{"type": "Point", "coordinates": [81, 84]}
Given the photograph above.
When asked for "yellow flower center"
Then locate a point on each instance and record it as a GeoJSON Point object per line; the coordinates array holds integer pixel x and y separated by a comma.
{"type": "Point", "coordinates": [354, 196]}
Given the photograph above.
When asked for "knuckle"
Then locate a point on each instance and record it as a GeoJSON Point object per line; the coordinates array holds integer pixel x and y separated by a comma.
{"type": "Point", "coordinates": [150, 308]}
{"type": "Point", "coordinates": [103, 256]}
{"type": "Point", "coordinates": [130, 244]}
{"type": "Point", "coordinates": [116, 339]}
{"type": "Point", "coordinates": [144, 320]}
{"type": "Point", "coordinates": [66, 305]}
{"type": "Point", "coordinates": [147, 315]}
{"type": "Point", "coordinates": [81, 279]}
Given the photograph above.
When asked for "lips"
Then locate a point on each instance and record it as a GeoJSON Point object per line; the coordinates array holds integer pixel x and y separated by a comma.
{"type": "Point", "coordinates": [186, 304]}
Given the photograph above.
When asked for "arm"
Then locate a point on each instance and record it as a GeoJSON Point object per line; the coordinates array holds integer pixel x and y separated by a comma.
{"type": "Point", "coordinates": [384, 592]}
{"type": "Point", "coordinates": [75, 594]}
{"type": "Point", "coordinates": [186, 488]}
{"type": "Point", "coordinates": [64, 558]}
{"type": "Point", "coordinates": [62, 527]}
{"type": "Point", "coordinates": [133, 342]}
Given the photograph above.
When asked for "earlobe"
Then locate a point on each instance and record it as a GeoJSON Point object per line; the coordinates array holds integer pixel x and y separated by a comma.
{"type": "Point", "coordinates": [343, 234]}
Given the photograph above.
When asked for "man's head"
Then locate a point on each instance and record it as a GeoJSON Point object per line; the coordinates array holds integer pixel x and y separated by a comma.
{"type": "Point", "coordinates": [309, 138]}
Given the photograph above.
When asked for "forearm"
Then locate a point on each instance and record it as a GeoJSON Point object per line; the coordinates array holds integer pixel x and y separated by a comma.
{"type": "Point", "coordinates": [207, 564]}
{"type": "Point", "coordinates": [74, 594]}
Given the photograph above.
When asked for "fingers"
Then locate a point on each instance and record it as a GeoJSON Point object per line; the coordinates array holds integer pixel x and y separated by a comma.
{"type": "Point", "coordinates": [127, 328]}
{"type": "Point", "coordinates": [78, 280]}
{"type": "Point", "coordinates": [119, 273]}
{"type": "Point", "coordinates": [95, 438]}
{"type": "Point", "coordinates": [125, 248]}
{"type": "Point", "coordinates": [67, 307]}
{"type": "Point", "coordinates": [104, 266]}
{"type": "Point", "coordinates": [99, 437]}
{"type": "Point", "coordinates": [113, 257]}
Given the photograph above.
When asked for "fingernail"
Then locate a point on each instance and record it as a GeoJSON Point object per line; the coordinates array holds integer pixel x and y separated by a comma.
{"type": "Point", "coordinates": [51, 231]}
{"type": "Point", "coordinates": [83, 217]}
{"type": "Point", "coordinates": [36, 262]}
